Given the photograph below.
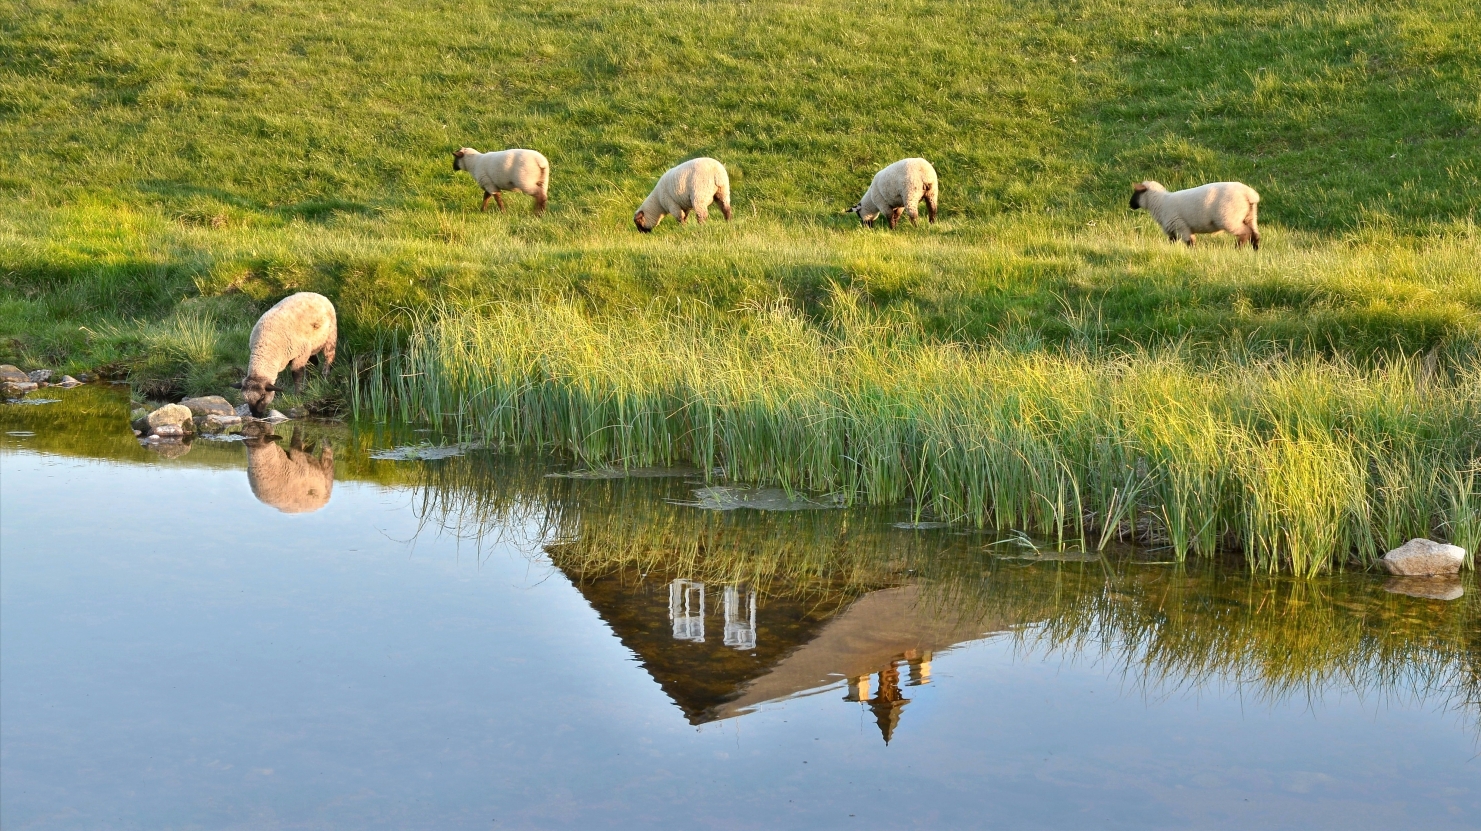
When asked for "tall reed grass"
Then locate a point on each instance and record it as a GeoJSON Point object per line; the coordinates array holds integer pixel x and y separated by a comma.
{"type": "Point", "coordinates": [1299, 464]}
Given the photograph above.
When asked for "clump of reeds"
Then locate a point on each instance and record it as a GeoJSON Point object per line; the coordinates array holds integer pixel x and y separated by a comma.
{"type": "Point", "coordinates": [1301, 463]}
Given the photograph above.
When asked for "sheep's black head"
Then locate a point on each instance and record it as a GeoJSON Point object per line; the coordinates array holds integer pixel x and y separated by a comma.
{"type": "Point", "coordinates": [858, 210]}
{"type": "Point", "coordinates": [639, 220]}
{"type": "Point", "coordinates": [458, 159]}
{"type": "Point", "coordinates": [258, 393]}
{"type": "Point", "coordinates": [1136, 194]}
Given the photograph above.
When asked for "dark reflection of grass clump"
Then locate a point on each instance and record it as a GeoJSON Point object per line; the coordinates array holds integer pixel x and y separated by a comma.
{"type": "Point", "coordinates": [1169, 629]}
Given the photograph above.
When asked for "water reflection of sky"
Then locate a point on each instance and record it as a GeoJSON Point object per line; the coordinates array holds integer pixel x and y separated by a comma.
{"type": "Point", "coordinates": [174, 652]}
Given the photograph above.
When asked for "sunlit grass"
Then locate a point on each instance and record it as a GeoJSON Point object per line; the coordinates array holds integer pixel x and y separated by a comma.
{"type": "Point", "coordinates": [1302, 464]}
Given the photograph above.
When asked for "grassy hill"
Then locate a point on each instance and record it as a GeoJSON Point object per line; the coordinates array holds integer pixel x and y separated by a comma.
{"type": "Point", "coordinates": [173, 167]}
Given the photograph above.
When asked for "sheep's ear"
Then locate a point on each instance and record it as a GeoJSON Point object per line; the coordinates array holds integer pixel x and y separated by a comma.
{"type": "Point", "coordinates": [273, 388]}
{"type": "Point", "coordinates": [238, 385]}
{"type": "Point", "coordinates": [1139, 187]}
{"type": "Point", "coordinates": [853, 210]}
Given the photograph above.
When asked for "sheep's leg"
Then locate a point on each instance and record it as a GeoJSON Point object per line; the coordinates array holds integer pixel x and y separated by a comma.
{"type": "Point", "coordinates": [540, 200]}
{"type": "Point", "coordinates": [499, 198]}
{"type": "Point", "coordinates": [724, 205]}
{"type": "Point", "coordinates": [1190, 240]}
{"type": "Point", "coordinates": [298, 378]}
{"type": "Point", "coordinates": [913, 213]}
{"type": "Point", "coordinates": [701, 214]}
{"type": "Point", "coordinates": [1255, 240]}
{"type": "Point", "coordinates": [681, 216]}
{"type": "Point", "coordinates": [931, 209]}
{"type": "Point", "coordinates": [895, 216]}
{"type": "Point", "coordinates": [486, 197]}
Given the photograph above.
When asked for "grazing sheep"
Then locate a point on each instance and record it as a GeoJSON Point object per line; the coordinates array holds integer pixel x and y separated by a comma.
{"type": "Point", "coordinates": [287, 335]}
{"type": "Point", "coordinates": [1208, 209]}
{"type": "Point", "coordinates": [523, 170]}
{"type": "Point", "coordinates": [898, 189]}
{"type": "Point", "coordinates": [691, 186]}
{"type": "Point", "coordinates": [293, 481]}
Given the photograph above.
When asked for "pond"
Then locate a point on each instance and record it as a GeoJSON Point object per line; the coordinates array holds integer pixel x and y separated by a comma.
{"type": "Point", "coordinates": [313, 632]}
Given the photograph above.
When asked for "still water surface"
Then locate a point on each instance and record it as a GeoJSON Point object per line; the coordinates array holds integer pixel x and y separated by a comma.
{"type": "Point", "coordinates": [296, 635]}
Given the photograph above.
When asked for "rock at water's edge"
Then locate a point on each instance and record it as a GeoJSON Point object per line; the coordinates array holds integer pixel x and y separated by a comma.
{"type": "Point", "coordinates": [15, 388]}
{"type": "Point", "coordinates": [167, 431]}
{"type": "Point", "coordinates": [39, 376]}
{"type": "Point", "coordinates": [1424, 558]}
{"type": "Point", "coordinates": [169, 414]}
{"type": "Point", "coordinates": [1429, 588]}
{"type": "Point", "coordinates": [68, 382]}
{"type": "Point", "coordinates": [243, 410]}
{"type": "Point", "coordinates": [208, 405]}
{"type": "Point", "coordinates": [12, 375]}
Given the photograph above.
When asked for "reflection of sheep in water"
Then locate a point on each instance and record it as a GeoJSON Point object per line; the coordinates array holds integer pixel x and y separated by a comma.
{"type": "Point", "coordinates": [293, 481]}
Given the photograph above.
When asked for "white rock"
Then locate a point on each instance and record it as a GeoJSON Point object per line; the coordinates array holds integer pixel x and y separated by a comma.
{"type": "Point", "coordinates": [1424, 558]}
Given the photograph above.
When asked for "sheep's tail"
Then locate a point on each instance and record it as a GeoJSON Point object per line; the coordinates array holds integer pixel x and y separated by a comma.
{"type": "Point", "coordinates": [722, 195]}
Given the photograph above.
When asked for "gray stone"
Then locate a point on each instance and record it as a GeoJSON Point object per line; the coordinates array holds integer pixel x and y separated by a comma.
{"type": "Point", "coordinates": [12, 375]}
{"type": "Point", "coordinates": [169, 414]}
{"type": "Point", "coordinates": [243, 410]}
{"type": "Point", "coordinates": [218, 423]}
{"type": "Point", "coordinates": [39, 376]}
{"type": "Point", "coordinates": [1424, 558]}
{"type": "Point", "coordinates": [167, 431]}
{"type": "Point", "coordinates": [68, 382]}
{"type": "Point", "coordinates": [209, 405]}
{"type": "Point", "coordinates": [16, 389]}
{"type": "Point", "coordinates": [1429, 588]}
{"type": "Point", "coordinates": [275, 417]}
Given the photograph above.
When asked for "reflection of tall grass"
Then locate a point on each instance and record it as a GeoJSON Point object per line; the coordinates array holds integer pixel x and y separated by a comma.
{"type": "Point", "coordinates": [1299, 464]}
{"type": "Point", "coordinates": [1169, 628]}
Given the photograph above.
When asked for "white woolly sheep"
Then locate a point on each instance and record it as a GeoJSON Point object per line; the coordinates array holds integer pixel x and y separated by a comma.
{"type": "Point", "coordinates": [688, 187]}
{"type": "Point", "coordinates": [287, 335]}
{"type": "Point", "coordinates": [293, 481]}
{"type": "Point", "coordinates": [525, 171]}
{"type": "Point", "coordinates": [1208, 209]}
{"type": "Point", "coordinates": [898, 189]}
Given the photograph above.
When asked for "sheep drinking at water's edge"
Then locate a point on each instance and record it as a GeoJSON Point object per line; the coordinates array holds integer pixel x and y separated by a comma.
{"type": "Point", "coordinates": [899, 189]}
{"type": "Point", "coordinates": [287, 335]}
{"type": "Point", "coordinates": [685, 188]}
{"type": "Point", "coordinates": [526, 171]}
{"type": "Point", "coordinates": [1208, 209]}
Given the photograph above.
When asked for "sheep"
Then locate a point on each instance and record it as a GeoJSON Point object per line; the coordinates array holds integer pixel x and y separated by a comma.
{"type": "Point", "coordinates": [526, 171]}
{"type": "Point", "coordinates": [898, 189]}
{"type": "Point", "coordinates": [1208, 209]}
{"type": "Point", "coordinates": [293, 481]}
{"type": "Point", "coordinates": [685, 188]}
{"type": "Point", "coordinates": [287, 335]}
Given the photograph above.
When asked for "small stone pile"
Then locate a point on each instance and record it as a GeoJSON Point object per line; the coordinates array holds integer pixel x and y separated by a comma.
{"type": "Point", "coordinates": [205, 415]}
{"type": "Point", "coordinates": [14, 383]}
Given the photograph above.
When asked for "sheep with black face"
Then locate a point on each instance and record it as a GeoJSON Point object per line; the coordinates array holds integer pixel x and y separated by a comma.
{"type": "Point", "coordinates": [1207, 209]}
{"type": "Point", "coordinates": [898, 189]}
{"type": "Point", "coordinates": [526, 171]}
{"type": "Point", "coordinates": [687, 188]}
{"type": "Point", "coordinates": [300, 326]}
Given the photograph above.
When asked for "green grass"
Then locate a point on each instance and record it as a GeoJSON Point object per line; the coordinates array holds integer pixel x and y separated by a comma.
{"type": "Point", "coordinates": [159, 154]}
{"type": "Point", "coordinates": [1300, 463]}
